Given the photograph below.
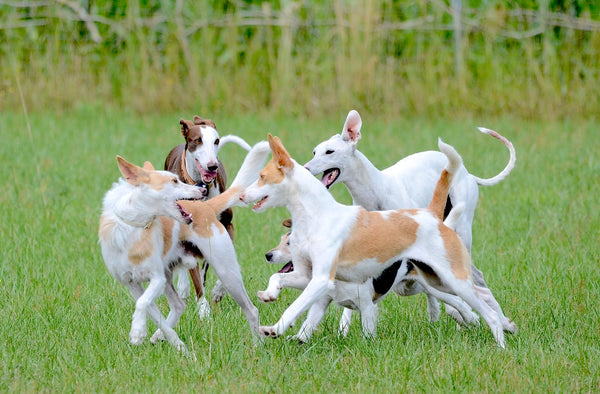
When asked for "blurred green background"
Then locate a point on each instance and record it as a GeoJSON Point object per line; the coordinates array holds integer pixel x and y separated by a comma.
{"type": "Point", "coordinates": [525, 58]}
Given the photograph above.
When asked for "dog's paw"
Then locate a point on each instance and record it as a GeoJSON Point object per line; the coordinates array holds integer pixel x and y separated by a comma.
{"type": "Point", "coordinates": [180, 346]}
{"type": "Point", "coordinates": [266, 296]}
{"type": "Point", "coordinates": [158, 336]}
{"type": "Point", "coordinates": [298, 338]}
{"type": "Point", "coordinates": [203, 308]}
{"type": "Point", "coordinates": [510, 326]}
{"type": "Point", "coordinates": [269, 331]}
{"type": "Point", "coordinates": [218, 292]}
{"type": "Point", "coordinates": [137, 335]}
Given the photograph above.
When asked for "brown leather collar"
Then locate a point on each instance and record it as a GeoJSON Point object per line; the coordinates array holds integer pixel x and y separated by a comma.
{"type": "Point", "coordinates": [186, 176]}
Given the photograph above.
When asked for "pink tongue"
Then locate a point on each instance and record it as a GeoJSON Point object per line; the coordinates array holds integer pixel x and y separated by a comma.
{"type": "Point", "coordinates": [207, 176]}
{"type": "Point", "coordinates": [328, 178]}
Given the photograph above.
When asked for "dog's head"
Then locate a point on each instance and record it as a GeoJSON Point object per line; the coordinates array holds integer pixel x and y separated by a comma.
{"type": "Point", "coordinates": [269, 188]}
{"type": "Point", "coordinates": [281, 253]}
{"type": "Point", "coordinates": [159, 190]}
{"type": "Point", "coordinates": [333, 157]}
{"type": "Point", "coordinates": [202, 145]}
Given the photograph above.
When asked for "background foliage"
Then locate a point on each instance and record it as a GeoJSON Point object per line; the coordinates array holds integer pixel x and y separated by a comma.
{"type": "Point", "coordinates": [525, 58]}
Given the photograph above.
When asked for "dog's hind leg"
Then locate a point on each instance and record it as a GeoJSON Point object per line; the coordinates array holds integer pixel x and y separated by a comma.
{"type": "Point", "coordinates": [486, 294]}
{"type": "Point", "coordinates": [176, 309]}
{"type": "Point", "coordinates": [345, 321]}
{"type": "Point", "coordinates": [313, 319]}
{"type": "Point", "coordinates": [219, 252]}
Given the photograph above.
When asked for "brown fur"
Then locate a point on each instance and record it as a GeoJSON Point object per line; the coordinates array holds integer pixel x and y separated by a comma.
{"type": "Point", "coordinates": [175, 164]}
{"type": "Point", "coordinates": [143, 247]}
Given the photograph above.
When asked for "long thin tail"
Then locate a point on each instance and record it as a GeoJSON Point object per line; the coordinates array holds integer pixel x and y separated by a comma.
{"type": "Point", "coordinates": [254, 162]}
{"type": "Point", "coordinates": [511, 161]}
{"type": "Point", "coordinates": [236, 140]}
{"type": "Point", "coordinates": [440, 194]}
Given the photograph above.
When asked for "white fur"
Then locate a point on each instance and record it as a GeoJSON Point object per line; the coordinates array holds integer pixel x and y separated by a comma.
{"type": "Point", "coordinates": [206, 157]}
{"type": "Point", "coordinates": [132, 211]}
{"type": "Point", "coordinates": [321, 226]}
{"type": "Point", "coordinates": [407, 184]}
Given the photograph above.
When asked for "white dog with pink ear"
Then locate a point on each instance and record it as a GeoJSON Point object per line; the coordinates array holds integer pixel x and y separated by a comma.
{"type": "Point", "coordinates": [350, 244]}
{"type": "Point", "coordinates": [407, 184]}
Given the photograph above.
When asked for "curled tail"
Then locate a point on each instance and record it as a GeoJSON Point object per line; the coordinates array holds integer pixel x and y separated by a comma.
{"type": "Point", "coordinates": [440, 194]}
{"type": "Point", "coordinates": [236, 140]}
{"type": "Point", "coordinates": [511, 161]}
{"type": "Point", "coordinates": [254, 162]}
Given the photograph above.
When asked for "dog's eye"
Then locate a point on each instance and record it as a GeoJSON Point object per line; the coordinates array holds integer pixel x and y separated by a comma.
{"type": "Point", "coordinates": [217, 141]}
{"type": "Point", "coordinates": [328, 152]}
{"type": "Point", "coordinates": [174, 180]}
{"type": "Point", "coordinates": [313, 153]}
{"type": "Point", "coordinates": [198, 141]}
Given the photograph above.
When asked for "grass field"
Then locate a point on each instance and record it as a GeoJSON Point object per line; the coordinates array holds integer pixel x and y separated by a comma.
{"type": "Point", "coordinates": [65, 321]}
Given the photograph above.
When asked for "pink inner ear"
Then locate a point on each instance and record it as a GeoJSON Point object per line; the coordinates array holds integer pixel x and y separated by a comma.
{"type": "Point", "coordinates": [352, 127]}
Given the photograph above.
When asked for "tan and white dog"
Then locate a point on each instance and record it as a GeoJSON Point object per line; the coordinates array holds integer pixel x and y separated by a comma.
{"type": "Point", "coordinates": [144, 234]}
{"type": "Point", "coordinates": [407, 184]}
{"type": "Point", "coordinates": [196, 162]}
{"type": "Point", "coordinates": [362, 297]}
{"type": "Point", "coordinates": [350, 244]}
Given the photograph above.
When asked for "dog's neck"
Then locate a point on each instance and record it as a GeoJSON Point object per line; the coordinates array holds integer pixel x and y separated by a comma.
{"type": "Point", "coordinates": [127, 203]}
{"type": "Point", "coordinates": [307, 197]}
{"type": "Point", "coordinates": [366, 183]}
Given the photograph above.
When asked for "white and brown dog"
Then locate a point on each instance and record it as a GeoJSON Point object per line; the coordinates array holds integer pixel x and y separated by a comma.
{"type": "Point", "coordinates": [196, 162]}
{"type": "Point", "coordinates": [144, 234]}
{"type": "Point", "coordinates": [352, 296]}
{"type": "Point", "coordinates": [350, 244]}
{"type": "Point", "coordinates": [407, 184]}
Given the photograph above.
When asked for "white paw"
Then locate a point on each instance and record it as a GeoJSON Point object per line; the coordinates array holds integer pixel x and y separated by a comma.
{"type": "Point", "coordinates": [180, 346]}
{"type": "Point", "coordinates": [218, 292]}
{"type": "Point", "coordinates": [266, 296]}
{"type": "Point", "coordinates": [158, 336]}
{"type": "Point", "coordinates": [269, 331]}
{"type": "Point", "coordinates": [137, 335]}
{"type": "Point", "coordinates": [510, 326]}
{"type": "Point", "coordinates": [203, 308]}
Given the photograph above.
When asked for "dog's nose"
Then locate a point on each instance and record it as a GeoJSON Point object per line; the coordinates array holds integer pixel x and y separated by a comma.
{"type": "Point", "coordinates": [242, 197]}
{"type": "Point", "coordinates": [269, 256]}
{"type": "Point", "coordinates": [213, 167]}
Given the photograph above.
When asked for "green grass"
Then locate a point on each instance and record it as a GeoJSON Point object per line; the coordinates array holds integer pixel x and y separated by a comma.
{"type": "Point", "coordinates": [65, 321]}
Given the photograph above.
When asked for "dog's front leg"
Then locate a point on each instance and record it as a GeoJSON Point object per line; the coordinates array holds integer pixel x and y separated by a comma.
{"type": "Point", "coordinates": [315, 289]}
{"type": "Point", "coordinates": [297, 279]}
{"type": "Point", "coordinates": [313, 319]}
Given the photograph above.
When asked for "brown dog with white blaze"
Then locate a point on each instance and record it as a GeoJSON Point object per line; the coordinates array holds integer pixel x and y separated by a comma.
{"type": "Point", "coordinates": [196, 163]}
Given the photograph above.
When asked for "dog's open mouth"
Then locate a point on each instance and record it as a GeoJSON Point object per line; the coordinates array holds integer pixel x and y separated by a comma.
{"type": "Point", "coordinates": [330, 176]}
{"type": "Point", "coordinates": [289, 267]}
{"type": "Point", "coordinates": [260, 203]}
{"type": "Point", "coordinates": [187, 217]}
{"type": "Point", "coordinates": [207, 176]}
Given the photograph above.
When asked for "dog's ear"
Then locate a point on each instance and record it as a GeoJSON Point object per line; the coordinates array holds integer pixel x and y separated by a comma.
{"type": "Point", "coordinates": [281, 157]}
{"type": "Point", "coordinates": [287, 223]}
{"type": "Point", "coordinates": [351, 131]}
{"type": "Point", "coordinates": [204, 122]}
{"type": "Point", "coordinates": [132, 173]}
{"type": "Point", "coordinates": [185, 127]}
{"type": "Point", "coordinates": [148, 166]}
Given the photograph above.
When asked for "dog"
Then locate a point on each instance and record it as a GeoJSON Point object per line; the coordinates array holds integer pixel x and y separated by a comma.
{"type": "Point", "coordinates": [196, 163]}
{"type": "Point", "coordinates": [345, 243]}
{"type": "Point", "coordinates": [145, 233]}
{"type": "Point", "coordinates": [407, 184]}
{"type": "Point", "coordinates": [361, 297]}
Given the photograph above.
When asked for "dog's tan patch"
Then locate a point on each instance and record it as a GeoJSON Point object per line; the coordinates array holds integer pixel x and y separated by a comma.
{"type": "Point", "coordinates": [378, 237]}
{"type": "Point", "coordinates": [440, 195]}
{"type": "Point", "coordinates": [271, 174]}
{"type": "Point", "coordinates": [106, 228]}
{"type": "Point", "coordinates": [158, 180]}
{"type": "Point", "coordinates": [204, 215]}
{"type": "Point", "coordinates": [167, 232]}
{"type": "Point", "coordinates": [456, 253]}
{"type": "Point", "coordinates": [142, 248]}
